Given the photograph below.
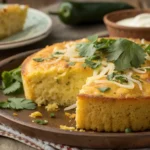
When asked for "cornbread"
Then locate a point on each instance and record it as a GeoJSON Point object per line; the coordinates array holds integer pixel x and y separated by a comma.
{"type": "Point", "coordinates": [12, 19]}
{"type": "Point", "coordinates": [52, 107]}
{"type": "Point", "coordinates": [35, 114]}
{"type": "Point", "coordinates": [108, 99]}
{"type": "Point", "coordinates": [70, 116]}
{"type": "Point", "coordinates": [53, 81]}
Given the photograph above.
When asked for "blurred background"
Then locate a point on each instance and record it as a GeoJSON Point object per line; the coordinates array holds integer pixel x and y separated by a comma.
{"type": "Point", "coordinates": [44, 3]}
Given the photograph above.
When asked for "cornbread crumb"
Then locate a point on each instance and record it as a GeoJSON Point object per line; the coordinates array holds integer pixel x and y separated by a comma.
{"type": "Point", "coordinates": [71, 116]}
{"type": "Point", "coordinates": [35, 114]}
{"type": "Point", "coordinates": [63, 127]}
{"type": "Point", "coordinates": [52, 107]}
{"type": "Point", "coordinates": [81, 130]}
{"type": "Point", "coordinates": [15, 114]}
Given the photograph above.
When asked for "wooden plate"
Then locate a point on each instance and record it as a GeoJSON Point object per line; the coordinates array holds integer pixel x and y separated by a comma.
{"type": "Point", "coordinates": [52, 133]}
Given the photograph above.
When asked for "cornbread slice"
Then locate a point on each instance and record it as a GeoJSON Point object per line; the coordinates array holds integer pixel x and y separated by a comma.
{"type": "Point", "coordinates": [114, 110]}
{"type": "Point", "coordinates": [53, 80]}
{"type": "Point", "coordinates": [12, 19]}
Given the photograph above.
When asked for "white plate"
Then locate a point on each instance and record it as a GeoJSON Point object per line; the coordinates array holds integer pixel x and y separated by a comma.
{"type": "Point", "coordinates": [38, 25]}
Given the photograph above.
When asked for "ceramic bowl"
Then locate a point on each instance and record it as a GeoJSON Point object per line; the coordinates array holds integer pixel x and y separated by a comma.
{"type": "Point", "coordinates": [116, 30]}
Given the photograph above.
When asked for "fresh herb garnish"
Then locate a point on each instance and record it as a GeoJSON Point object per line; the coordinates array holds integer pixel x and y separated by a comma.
{"type": "Point", "coordinates": [40, 121]}
{"type": "Point", "coordinates": [12, 88]}
{"type": "Point", "coordinates": [58, 53]}
{"type": "Point", "coordinates": [52, 115]}
{"type": "Point", "coordinates": [87, 49]}
{"type": "Point", "coordinates": [121, 79]}
{"type": "Point", "coordinates": [104, 89]}
{"type": "Point", "coordinates": [116, 76]}
{"type": "Point", "coordinates": [104, 44]}
{"type": "Point", "coordinates": [125, 54]}
{"type": "Point", "coordinates": [110, 76]}
{"type": "Point", "coordinates": [71, 63]}
{"type": "Point", "coordinates": [92, 64]}
{"type": "Point", "coordinates": [147, 68]}
{"type": "Point", "coordinates": [84, 65]}
{"type": "Point", "coordinates": [12, 81]}
{"type": "Point", "coordinates": [38, 59]}
{"type": "Point", "coordinates": [147, 49]}
{"type": "Point", "coordinates": [17, 104]}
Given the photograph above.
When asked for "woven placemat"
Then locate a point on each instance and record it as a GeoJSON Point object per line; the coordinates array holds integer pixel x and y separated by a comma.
{"type": "Point", "coordinates": [32, 142]}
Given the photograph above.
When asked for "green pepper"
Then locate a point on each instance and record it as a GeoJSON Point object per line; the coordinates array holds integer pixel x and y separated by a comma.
{"type": "Point", "coordinates": [74, 13]}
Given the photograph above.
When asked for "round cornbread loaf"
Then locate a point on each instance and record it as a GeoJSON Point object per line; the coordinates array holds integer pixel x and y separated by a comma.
{"type": "Point", "coordinates": [57, 74]}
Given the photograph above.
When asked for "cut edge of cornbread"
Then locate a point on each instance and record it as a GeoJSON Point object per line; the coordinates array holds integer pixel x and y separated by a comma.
{"type": "Point", "coordinates": [57, 83]}
{"type": "Point", "coordinates": [112, 114]}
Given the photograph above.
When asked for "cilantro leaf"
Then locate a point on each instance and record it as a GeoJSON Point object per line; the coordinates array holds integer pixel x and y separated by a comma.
{"type": "Point", "coordinates": [17, 104]}
{"type": "Point", "coordinates": [104, 89]}
{"type": "Point", "coordinates": [93, 38]}
{"type": "Point", "coordinates": [12, 88]}
{"type": "Point", "coordinates": [7, 79]}
{"type": "Point", "coordinates": [103, 44]}
{"type": "Point", "coordinates": [58, 53]}
{"type": "Point", "coordinates": [126, 54]}
{"type": "Point", "coordinates": [12, 81]}
{"type": "Point", "coordinates": [71, 63]}
{"type": "Point", "coordinates": [86, 49]}
{"type": "Point", "coordinates": [16, 74]}
{"type": "Point", "coordinates": [38, 59]}
{"type": "Point", "coordinates": [147, 49]}
{"type": "Point", "coordinates": [28, 104]}
{"type": "Point", "coordinates": [92, 64]}
{"type": "Point", "coordinates": [4, 105]}
{"type": "Point", "coordinates": [40, 121]}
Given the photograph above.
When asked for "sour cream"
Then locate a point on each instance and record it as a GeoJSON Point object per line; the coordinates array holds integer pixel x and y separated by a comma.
{"type": "Point", "coordinates": [141, 20]}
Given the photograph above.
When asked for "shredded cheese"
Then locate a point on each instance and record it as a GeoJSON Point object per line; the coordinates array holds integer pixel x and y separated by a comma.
{"type": "Point", "coordinates": [109, 69]}
{"type": "Point", "coordinates": [70, 107]}
{"type": "Point", "coordinates": [140, 70]}
{"type": "Point", "coordinates": [77, 59]}
{"type": "Point", "coordinates": [130, 84]}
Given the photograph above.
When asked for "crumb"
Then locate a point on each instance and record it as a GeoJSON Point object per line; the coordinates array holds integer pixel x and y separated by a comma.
{"type": "Point", "coordinates": [15, 114]}
{"type": "Point", "coordinates": [81, 130]}
{"type": "Point", "coordinates": [71, 116]}
{"type": "Point", "coordinates": [63, 127]}
{"type": "Point", "coordinates": [52, 107]}
{"type": "Point", "coordinates": [35, 114]}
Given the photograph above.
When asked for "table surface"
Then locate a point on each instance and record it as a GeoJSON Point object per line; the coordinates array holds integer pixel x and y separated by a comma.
{"type": "Point", "coordinates": [60, 32]}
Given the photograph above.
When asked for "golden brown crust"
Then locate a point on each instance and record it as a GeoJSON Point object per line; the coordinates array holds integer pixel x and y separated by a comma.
{"type": "Point", "coordinates": [98, 97]}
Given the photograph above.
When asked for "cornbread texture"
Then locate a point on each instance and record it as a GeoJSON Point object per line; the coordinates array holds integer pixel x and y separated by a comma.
{"type": "Point", "coordinates": [47, 83]}
{"type": "Point", "coordinates": [107, 99]}
{"type": "Point", "coordinates": [113, 111]}
{"type": "Point", "coordinates": [12, 19]}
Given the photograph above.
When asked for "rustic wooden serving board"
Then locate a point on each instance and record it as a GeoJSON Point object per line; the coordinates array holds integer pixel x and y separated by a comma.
{"type": "Point", "coordinates": [52, 133]}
